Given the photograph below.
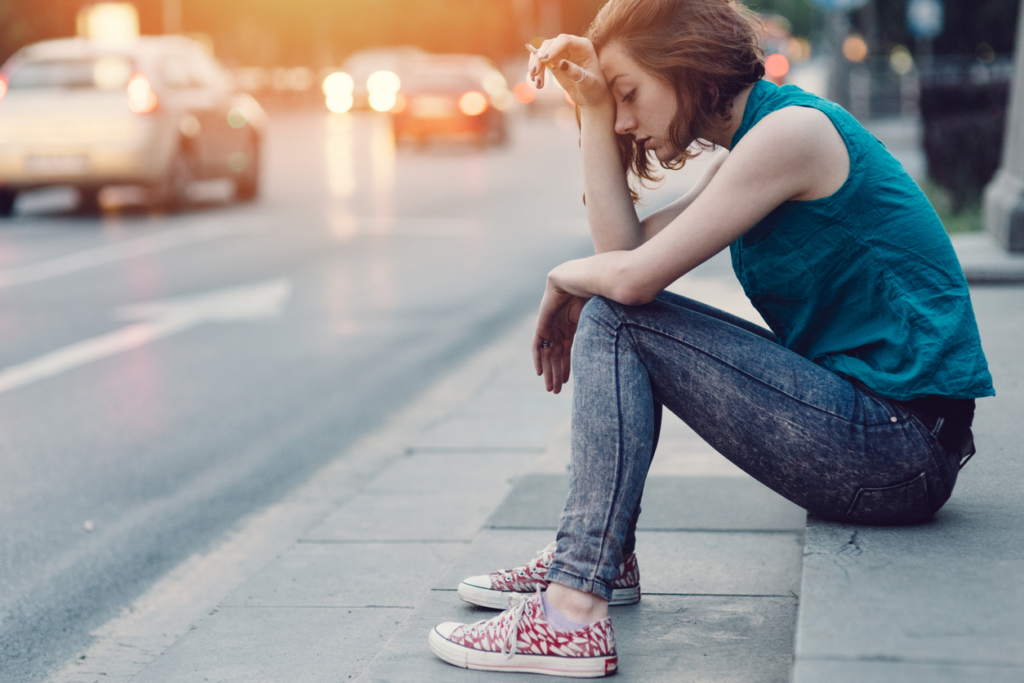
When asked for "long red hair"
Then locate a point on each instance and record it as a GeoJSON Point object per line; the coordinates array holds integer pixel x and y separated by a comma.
{"type": "Point", "coordinates": [707, 49]}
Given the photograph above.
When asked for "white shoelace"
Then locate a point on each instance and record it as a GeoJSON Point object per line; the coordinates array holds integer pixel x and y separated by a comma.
{"type": "Point", "coordinates": [492, 627]}
{"type": "Point", "coordinates": [506, 574]}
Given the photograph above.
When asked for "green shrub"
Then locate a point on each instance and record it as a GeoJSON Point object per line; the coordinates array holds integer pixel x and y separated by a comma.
{"type": "Point", "coordinates": [964, 122]}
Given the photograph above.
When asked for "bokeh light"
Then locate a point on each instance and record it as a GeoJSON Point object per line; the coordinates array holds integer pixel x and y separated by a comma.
{"type": "Point", "coordinates": [383, 100]}
{"type": "Point", "coordinates": [383, 82]}
{"type": "Point", "coordinates": [776, 66]}
{"type": "Point", "coordinates": [338, 83]}
{"type": "Point", "coordinates": [524, 92]}
{"type": "Point", "coordinates": [798, 50]}
{"type": "Point", "coordinates": [473, 103]}
{"type": "Point", "coordinates": [854, 48]}
{"type": "Point", "coordinates": [339, 104]}
{"type": "Point", "coordinates": [338, 88]}
{"type": "Point", "coordinates": [236, 118]}
{"type": "Point", "coordinates": [900, 60]}
{"type": "Point", "coordinates": [110, 22]}
{"type": "Point", "coordinates": [141, 98]}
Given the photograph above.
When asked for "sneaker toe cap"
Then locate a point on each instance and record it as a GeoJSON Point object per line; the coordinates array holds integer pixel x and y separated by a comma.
{"type": "Point", "coordinates": [478, 582]}
{"type": "Point", "coordinates": [446, 629]}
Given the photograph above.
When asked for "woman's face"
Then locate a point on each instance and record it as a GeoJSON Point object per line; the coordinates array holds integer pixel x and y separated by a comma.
{"type": "Point", "coordinates": [645, 104]}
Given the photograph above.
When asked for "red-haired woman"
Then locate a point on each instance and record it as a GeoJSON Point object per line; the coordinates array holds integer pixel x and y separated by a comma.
{"type": "Point", "coordinates": [856, 404]}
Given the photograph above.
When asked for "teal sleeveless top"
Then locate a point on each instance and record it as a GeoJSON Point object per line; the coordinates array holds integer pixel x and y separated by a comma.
{"type": "Point", "coordinates": [864, 282]}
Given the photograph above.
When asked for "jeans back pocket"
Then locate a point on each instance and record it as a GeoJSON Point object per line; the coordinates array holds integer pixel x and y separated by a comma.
{"type": "Point", "coordinates": [905, 503]}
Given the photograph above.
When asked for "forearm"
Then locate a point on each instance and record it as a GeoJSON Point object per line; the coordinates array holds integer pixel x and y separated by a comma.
{"type": "Point", "coordinates": [609, 274]}
{"type": "Point", "coordinates": [613, 222]}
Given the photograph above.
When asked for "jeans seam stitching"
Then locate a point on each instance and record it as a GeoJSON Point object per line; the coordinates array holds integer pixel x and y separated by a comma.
{"type": "Point", "coordinates": [609, 516]}
{"type": "Point", "coordinates": [920, 428]}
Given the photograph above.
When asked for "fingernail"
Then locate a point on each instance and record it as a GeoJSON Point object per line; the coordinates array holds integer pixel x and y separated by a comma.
{"type": "Point", "coordinates": [545, 56]}
{"type": "Point", "coordinates": [565, 66]}
{"type": "Point", "coordinates": [533, 71]}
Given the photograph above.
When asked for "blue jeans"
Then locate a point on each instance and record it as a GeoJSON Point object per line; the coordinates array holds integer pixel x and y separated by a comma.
{"type": "Point", "coordinates": [815, 438]}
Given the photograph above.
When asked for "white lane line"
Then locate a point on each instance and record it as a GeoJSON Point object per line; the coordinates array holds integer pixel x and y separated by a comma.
{"type": "Point", "coordinates": [91, 258]}
{"type": "Point", "coordinates": [160, 319]}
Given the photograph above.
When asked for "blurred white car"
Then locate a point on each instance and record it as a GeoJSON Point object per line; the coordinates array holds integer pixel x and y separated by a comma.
{"type": "Point", "coordinates": [362, 65]}
{"type": "Point", "coordinates": [156, 111]}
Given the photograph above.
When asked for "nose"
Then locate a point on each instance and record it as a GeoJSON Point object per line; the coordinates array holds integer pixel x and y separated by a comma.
{"type": "Point", "coordinates": [625, 122]}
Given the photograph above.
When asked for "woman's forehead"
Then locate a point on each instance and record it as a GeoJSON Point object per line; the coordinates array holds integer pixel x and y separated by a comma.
{"type": "Point", "coordinates": [616, 63]}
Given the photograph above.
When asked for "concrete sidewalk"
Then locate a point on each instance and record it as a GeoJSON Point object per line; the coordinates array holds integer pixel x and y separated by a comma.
{"type": "Point", "coordinates": [344, 579]}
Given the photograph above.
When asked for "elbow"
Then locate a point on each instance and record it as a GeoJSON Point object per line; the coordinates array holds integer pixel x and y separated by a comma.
{"type": "Point", "coordinates": [635, 296]}
{"type": "Point", "coordinates": [633, 288]}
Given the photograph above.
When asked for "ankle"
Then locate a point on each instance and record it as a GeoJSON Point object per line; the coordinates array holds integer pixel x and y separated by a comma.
{"type": "Point", "coordinates": [577, 605]}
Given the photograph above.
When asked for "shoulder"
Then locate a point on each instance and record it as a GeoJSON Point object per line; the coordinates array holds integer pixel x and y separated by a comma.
{"type": "Point", "coordinates": [798, 127]}
{"type": "Point", "coordinates": [800, 142]}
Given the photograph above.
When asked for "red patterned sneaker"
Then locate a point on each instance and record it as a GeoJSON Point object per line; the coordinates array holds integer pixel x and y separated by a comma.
{"type": "Point", "coordinates": [521, 640]}
{"type": "Point", "coordinates": [493, 590]}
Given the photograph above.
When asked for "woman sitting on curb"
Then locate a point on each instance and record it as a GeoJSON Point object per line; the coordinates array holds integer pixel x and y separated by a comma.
{"type": "Point", "coordinates": [857, 405]}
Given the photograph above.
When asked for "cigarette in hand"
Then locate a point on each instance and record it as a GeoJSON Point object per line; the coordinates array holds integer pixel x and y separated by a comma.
{"type": "Point", "coordinates": [551, 67]}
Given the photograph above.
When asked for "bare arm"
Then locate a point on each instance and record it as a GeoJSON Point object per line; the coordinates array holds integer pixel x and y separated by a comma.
{"type": "Point", "coordinates": [794, 154]}
{"type": "Point", "coordinates": [611, 215]}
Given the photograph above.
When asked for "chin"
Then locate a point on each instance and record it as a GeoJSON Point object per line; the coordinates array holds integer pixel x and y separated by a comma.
{"type": "Point", "coordinates": [665, 155]}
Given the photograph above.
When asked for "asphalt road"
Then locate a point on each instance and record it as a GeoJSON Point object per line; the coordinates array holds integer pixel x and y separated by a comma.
{"type": "Point", "coordinates": [163, 376]}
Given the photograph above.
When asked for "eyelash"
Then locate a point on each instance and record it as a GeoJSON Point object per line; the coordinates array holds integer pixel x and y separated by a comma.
{"type": "Point", "coordinates": [628, 97]}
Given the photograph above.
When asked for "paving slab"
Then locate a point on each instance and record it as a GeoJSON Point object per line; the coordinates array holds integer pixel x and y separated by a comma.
{"type": "Point", "coordinates": [943, 600]}
{"type": "Point", "coordinates": [663, 638]}
{"type": "Point", "coordinates": [671, 563]}
{"type": "Point", "coordinates": [986, 262]}
{"type": "Point", "coordinates": [425, 497]}
{"type": "Point", "coordinates": [947, 591]}
{"type": "Point", "coordinates": [449, 473]}
{"type": "Point", "coordinates": [669, 503]}
{"type": "Point", "coordinates": [903, 672]}
{"type": "Point", "coordinates": [512, 434]}
{"type": "Point", "coordinates": [242, 645]}
{"type": "Point", "coordinates": [347, 575]}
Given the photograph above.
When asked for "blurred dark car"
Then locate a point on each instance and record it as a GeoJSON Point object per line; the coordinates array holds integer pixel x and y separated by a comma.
{"type": "Point", "coordinates": [155, 111]}
{"type": "Point", "coordinates": [454, 97]}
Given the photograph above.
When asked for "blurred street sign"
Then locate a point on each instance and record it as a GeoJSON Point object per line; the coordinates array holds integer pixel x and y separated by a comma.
{"type": "Point", "coordinates": [840, 5]}
{"type": "Point", "coordinates": [925, 18]}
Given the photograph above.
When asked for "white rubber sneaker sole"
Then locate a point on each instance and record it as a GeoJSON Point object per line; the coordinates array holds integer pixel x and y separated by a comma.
{"type": "Point", "coordinates": [551, 665]}
{"type": "Point", "coordinates": [472, 591]}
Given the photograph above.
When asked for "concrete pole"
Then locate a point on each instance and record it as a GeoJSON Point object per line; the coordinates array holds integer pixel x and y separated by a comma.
{"type": "Point", "coordinates": [839, 74]}
{"type": "Point", "coordinates": [1004, 196]}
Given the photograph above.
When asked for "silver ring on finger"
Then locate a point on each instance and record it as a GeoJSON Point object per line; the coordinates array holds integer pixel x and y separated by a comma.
{"type": "Point", "coordinates": [580, 79]}
{"type": "Point", "coordinates": [545, 344]}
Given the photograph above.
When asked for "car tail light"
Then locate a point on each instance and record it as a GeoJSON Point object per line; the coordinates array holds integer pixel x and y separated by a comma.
{"type": "Point", "coordinates": [473, 103]}
{"type": "Point", "coordinates": [141, 98]}
{"type": "Point", "coordinates": [3, 88]}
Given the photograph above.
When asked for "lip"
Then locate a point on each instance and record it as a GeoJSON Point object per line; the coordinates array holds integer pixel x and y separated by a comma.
{"type": "Point", "coordinates": [643, 142]}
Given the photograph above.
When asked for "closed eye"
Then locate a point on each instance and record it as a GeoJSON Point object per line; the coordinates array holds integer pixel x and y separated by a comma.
{"type": "Point", "coordinates": [630, 96]}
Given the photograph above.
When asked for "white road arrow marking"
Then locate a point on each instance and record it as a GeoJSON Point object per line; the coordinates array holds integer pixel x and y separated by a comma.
{"type": "Point", "coordinates": [158, 319]}
{"type": "Point", "coordinates": [112, 253]}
